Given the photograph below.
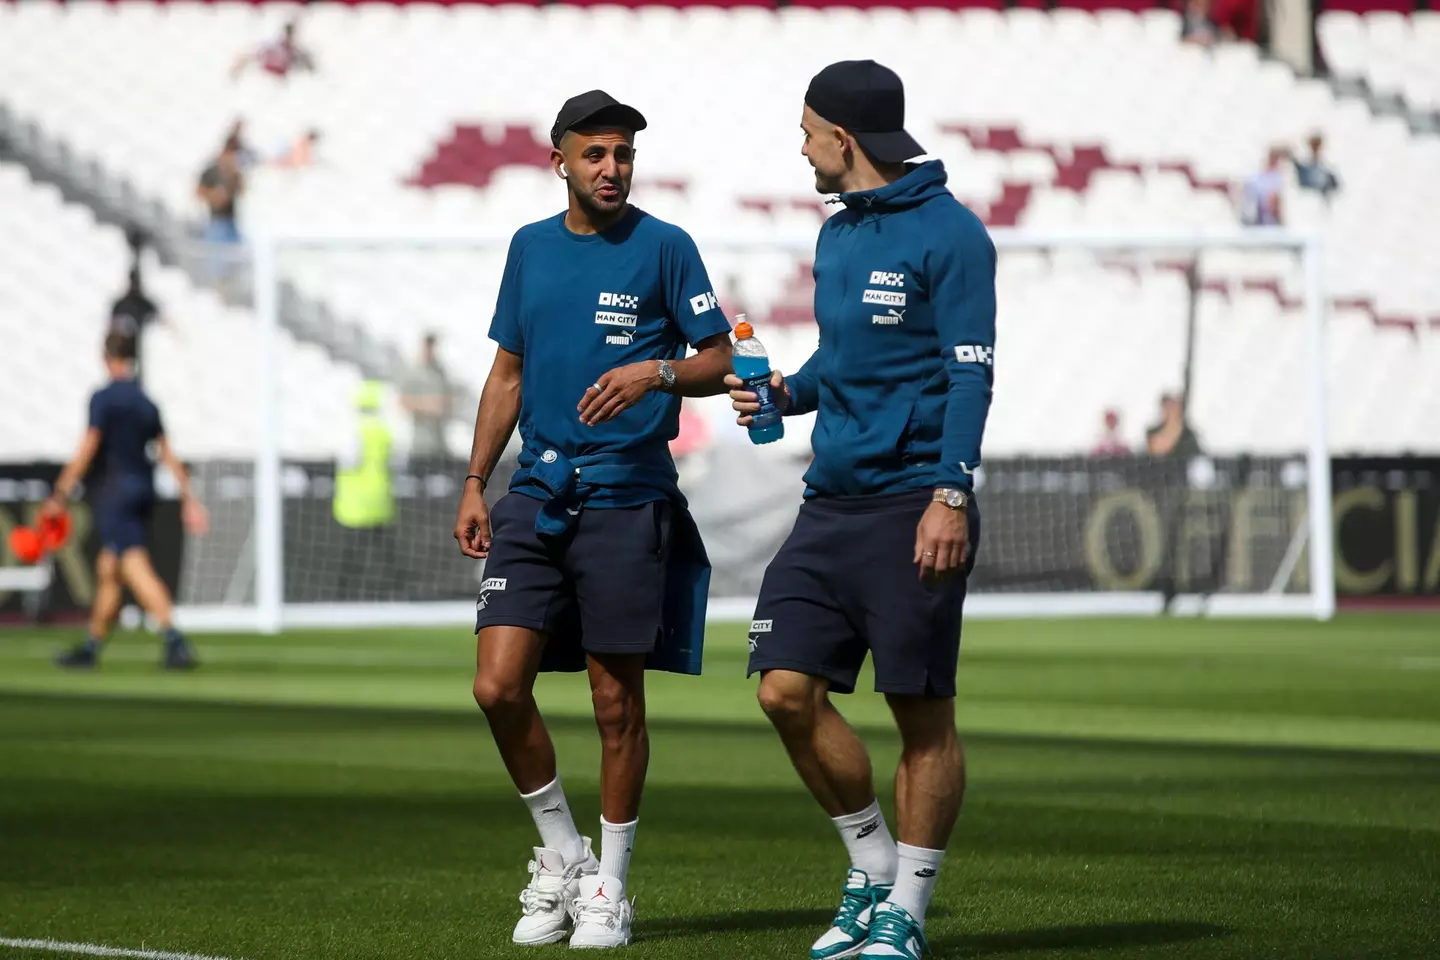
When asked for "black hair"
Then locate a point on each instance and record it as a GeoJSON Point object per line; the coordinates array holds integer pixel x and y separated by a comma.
{"type": "Point", "coordinates": [120, 346]}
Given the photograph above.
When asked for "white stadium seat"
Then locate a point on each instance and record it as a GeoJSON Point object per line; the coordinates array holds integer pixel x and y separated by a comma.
{"type": "Point", "coordinates": [145, 89]}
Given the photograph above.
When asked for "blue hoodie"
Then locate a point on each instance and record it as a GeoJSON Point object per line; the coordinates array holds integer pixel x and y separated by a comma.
{"type": "Point", "coordinates": [905, 300]}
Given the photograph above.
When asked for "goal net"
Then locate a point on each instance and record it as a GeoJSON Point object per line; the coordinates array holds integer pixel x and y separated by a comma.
{"type": "Point", "coordinates": [1156, 441]}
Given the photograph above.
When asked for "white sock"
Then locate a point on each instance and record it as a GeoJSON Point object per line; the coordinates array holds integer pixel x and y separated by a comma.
{"type": "Point", "coordinates": [918, 868]}
{"type": "Point", "coordinates": [552, 818]}
{"type": "Point", "coordinates": [616, 841]}
{"type": "Point", "coordinates": [869, 843]}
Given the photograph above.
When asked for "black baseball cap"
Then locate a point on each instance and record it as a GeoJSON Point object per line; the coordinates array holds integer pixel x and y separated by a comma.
{"type": "Point", "coordinates": [595, 108]}
{"type": "Point", "coordinates": [868, 100]}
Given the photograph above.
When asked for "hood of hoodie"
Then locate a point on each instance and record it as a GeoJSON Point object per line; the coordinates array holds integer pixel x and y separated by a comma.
{"type": "Point", "coordinates": [925, 182]}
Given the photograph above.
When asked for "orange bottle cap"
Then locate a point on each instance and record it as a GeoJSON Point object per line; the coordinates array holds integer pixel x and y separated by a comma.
{"type": "Point", "coordinates": [743, 331]}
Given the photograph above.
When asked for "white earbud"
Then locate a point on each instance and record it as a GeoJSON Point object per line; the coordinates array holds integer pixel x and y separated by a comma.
{"type": "Point", "coordinates": [564, 174]}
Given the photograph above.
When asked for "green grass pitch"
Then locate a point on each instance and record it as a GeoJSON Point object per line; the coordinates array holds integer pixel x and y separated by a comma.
{"type": "Point", "coordinates": [1139, 788]}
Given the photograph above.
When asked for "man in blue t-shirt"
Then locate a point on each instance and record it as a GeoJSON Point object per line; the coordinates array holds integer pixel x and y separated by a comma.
{"type": "Point", "coordinates": [123, 424]}
{"type": "Point", "coordinates": [593, 562]}
{"type": "Point", "coordinates": [880, 552]}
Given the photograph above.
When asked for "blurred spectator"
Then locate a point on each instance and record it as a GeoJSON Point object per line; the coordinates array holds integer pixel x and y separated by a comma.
{"type": "Point", "coordinates": [426, 394]}
{"type": "Point", "coordinates": [220, 187]}
{"type": "Point", "coordinates": [245, 155]}
{"type": "Point", "coordinates": [1197, 24]}
{"type": "Point", "coordinates": [1172, 436]}
{"type": "Point", "coordinates": [1111, 443]}
{"type": "Point", "coordinates": [1260, 201]}
{"type": "Point", "coordinates": [131, 314]}
{"type": "Point", "coordinates": [299, 153]}
{"type": "Point", "coordinates": [277, 58]}
{"type": "Point", "coordinates": [1314, 174]}
{"type": "Point", "coordinates": [133, 311]}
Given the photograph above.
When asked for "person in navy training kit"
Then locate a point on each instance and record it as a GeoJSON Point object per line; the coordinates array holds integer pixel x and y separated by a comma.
{"type": "Point", "coordinates": [593, 561]}
{"type": "Point", "coordinates": [879, 555]}
{"type": "Point", "coordinates": [123, 424]}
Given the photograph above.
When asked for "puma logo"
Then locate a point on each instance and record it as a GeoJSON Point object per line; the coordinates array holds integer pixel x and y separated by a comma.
{"type": "Point", "coordinates": [555, 809]}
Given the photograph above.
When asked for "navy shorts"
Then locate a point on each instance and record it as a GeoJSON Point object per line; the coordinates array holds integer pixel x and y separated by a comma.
{"type": "Point", "coordinates": [123, 524]}
{"type": "Point", "coordinates": [601, 585]}
{"type": "Point", "coordinates": [845, 583]}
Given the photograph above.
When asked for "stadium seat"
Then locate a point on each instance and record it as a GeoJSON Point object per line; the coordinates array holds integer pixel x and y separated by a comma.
{"type": "Point", "coordinates": [432, 120]}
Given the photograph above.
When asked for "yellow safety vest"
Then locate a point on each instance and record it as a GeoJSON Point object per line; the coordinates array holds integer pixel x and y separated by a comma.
{"type": "Point", "coordinates": [365, 492]}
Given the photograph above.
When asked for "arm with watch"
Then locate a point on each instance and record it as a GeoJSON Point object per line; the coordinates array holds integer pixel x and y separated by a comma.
{"type": "Point", "coordinates": [961, 276]}
{"type": "Point", "coordinates": [700, 375]}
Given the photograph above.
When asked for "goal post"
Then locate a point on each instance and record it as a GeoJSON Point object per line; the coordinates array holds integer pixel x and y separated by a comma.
{"type": "Point", "coordinates": [1243, 529]}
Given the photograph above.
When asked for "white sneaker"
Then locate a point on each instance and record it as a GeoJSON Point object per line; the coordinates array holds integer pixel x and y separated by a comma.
{"type": "Point", "coordinates": [546, 899]}
{"type": "Point", "coordinates": [602, 914]}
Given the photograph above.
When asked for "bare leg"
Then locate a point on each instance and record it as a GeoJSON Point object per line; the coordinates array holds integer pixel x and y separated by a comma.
{"type": "Point", "coordinates": [106, 607]}
{"type": "Point", "coordinates": [506, 661]}
{"type": "Point", "coordinates": [149, 590]}
{"type": "Point", "coordinates": [617, 688]}
{"type": "Point", "coordinates": [826, 753]}
{"type": "Point", "coordinates": [930, 782]}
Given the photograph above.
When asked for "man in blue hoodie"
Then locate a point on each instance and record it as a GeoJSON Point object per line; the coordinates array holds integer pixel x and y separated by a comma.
{"type": "Point", "coordinates": [880, 552]}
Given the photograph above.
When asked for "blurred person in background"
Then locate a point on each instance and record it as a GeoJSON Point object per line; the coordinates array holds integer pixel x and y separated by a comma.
{"type": "Point", "coordinates": [219, 188]}
{"type": "Point", "coordinates": [364, 503]}
{"type": "Point", "coordinates": [297, 153]}
{"type": "Point", "coordinates": [122, 426]}
{"type": "Point", "coordinates": [1314, 173]}
{"type": "Point", "coordinates": [1197, 24]}
{"type": "Point", "coordinates": [427, 395]}
{"type": "Point", "coordinates": [278, 57]}
{"type": "Point", "coordinates": [1172, 436]}
{"type": "Point", "coordinates": [245, 156]}
{"type": "Point", "coordinates": [1111, 443]}
{"type": "Point", "coordinates": [1260, 200]}
{"type": "Point", "coordinates": [132, 313]}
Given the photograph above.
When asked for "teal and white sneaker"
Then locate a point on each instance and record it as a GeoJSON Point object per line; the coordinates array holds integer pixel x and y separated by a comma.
{"type": "Point", "coordinates": [894, 935]}
{"type": "Point", "coordinates": [847, 933]}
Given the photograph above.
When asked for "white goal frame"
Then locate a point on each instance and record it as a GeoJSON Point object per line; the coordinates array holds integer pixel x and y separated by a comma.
{"type": "Point", "coordinates": [270, 614]}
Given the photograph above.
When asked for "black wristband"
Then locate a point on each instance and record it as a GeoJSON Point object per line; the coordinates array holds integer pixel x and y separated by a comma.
{"type": "Point", "coordinates": [476, 476]}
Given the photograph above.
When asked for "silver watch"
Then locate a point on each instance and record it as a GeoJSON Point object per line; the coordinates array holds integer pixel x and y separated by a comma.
{"type": "Point", "coordinates": [667, 375]}
{"type": "Point", "coordinates": [952, 498]}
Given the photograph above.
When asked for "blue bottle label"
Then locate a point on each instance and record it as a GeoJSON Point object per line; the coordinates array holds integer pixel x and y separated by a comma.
{"type": "Point", "coordinates": [768, 413]}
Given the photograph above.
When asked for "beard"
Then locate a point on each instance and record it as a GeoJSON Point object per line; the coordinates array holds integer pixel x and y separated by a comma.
{"type": "Point", "coordinates": [827, 182]}
{"type": "Point", "coordinates": [593, 203]}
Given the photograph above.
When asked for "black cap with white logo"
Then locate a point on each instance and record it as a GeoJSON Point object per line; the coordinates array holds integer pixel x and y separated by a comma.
{"type": "Point", "coordinates": [595, 108]}
{"type": "Point", "coordinates": [868, 100]}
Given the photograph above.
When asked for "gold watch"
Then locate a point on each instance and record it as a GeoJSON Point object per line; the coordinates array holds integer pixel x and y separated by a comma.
{"type": "Point", "coordinates": [952, 498]}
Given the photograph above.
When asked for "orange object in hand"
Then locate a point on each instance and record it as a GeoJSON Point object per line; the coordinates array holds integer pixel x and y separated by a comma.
{"type": "Point", "coordinates": [25, 543]}
{"type": "Point", "coordinates": [54, 531]}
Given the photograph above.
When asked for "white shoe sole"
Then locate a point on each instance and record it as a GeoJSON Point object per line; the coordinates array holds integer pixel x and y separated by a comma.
{"type": "Point", "coordinates": [598, 946]}
{"type": "Point", "coordinates": [852, 952]}
{"type": "Point", "coordinates": [555, 937]}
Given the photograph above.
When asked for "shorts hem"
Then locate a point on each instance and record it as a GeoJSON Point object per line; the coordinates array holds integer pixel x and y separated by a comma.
{"type": "Point", "coordinates": [914, 690]}
{"type": "Point", "coordinates": [629, 646]}
{"type": "Point", "coordinates": [510, 620]}
{"type": "Point", "coordinates": [839, 683]}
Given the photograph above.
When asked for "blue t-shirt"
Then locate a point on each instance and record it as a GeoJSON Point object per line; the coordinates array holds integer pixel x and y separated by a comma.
{"type": "Point", "coordinates": [578, 305]}
{"type": "Point", "coordinates": [128, 421]}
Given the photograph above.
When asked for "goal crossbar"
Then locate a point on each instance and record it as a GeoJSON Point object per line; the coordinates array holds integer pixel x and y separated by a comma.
{"type": "Point", "coordinates": [270, 613]}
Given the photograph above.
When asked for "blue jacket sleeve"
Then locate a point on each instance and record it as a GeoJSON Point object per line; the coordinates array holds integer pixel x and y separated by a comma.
{"type": "Point", "coordinates": [505, 326]}
{"type": "Point", "coordinates": [962, 294]}
{"type": "Point", "coordinates": [803, 386]}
